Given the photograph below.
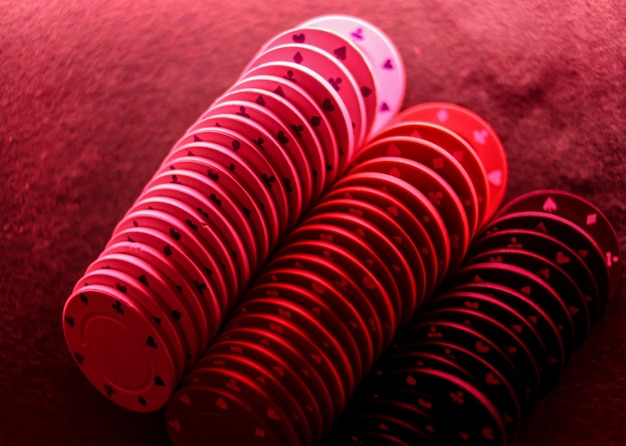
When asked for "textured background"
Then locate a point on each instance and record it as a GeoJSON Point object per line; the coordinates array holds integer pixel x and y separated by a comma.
{"type": "Point", "coordinates": [93, 93]}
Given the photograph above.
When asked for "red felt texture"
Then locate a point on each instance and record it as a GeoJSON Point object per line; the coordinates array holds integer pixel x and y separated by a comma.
{"type": "Point", "coordinates": [93, 94]}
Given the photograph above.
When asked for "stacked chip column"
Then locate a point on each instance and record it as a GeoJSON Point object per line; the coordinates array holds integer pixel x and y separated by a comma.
{"type": "Point", "coordinates": [233, 185]}
{"type": "Point", "coordinates": [341, 285]}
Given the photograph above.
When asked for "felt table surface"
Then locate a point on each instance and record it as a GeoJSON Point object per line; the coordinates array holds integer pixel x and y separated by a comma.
{"type": "Point", "coordinates": [93, 94]}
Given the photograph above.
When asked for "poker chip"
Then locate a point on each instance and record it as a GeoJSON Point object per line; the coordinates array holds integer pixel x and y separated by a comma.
{"type": "Point", "coordinates": [477, 133]}
{"type": "Point", "coordinates": [313, 163]}
{"type": "Point", "coordinates": [347, 54]}
{"type": "Point", "coordinates": [369, 260]}
{"type": "Point", "coordinates": [582, 213]}
{"type": "Point", "coordinates": [455, 146]}
{"type": "Point", "coordinates": [358, 343]}
{"type": "Point", "coordinates": [227, 415]}
{"type": "Point", "coordinates": [435, 158]}
{"type": "Point", "coordinates": [380, 208]}
{"type": "Point", "coordinates": [437, 191]}
{"type": "Point", "coordinates": [120, 347]}
{"type": "Point", "coordinates": [391, 264]}
{"type": "Point", "coordinates": [412, 210]}
{"type": "Point", "coordinates": [190, 277]}
{"type": "Point", "coordinates": [160, 293]}
{"type": "Point", "coordinates": [236, 367]}
{"type": "Point", "coordinates": [551, 249]}
{"type": "Point", "coordinates": [291, 355]}
{"type": "Point", "coordinates": [336, 77]}
{"type": "Point", "coordinates": [266, 173]}
{"type": "Point", "coordinates": [385, 59]}
{"type": "Point", "coordinates": [314, 113]}
{"type": "Point", "coordinates": [318, 308]}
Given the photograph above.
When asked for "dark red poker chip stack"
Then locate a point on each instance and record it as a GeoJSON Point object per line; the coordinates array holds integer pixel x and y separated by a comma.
{"type": "Point", "coordinates": [499, 332]}
{"type": "Point", "coordinates": [228, 190]}
{"type": "Point", "coordinates": [344, 281]}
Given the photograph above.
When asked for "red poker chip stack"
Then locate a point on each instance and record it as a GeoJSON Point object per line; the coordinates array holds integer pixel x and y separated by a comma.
{"type": "Point", "coordinates": [343, 282]}
{"type": "Point", "coordinates": [499, 332]}
{"type": "Point", "coordinates": [237, 180]}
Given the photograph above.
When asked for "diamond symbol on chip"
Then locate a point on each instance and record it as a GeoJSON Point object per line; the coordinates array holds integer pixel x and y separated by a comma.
{"type": "Point", "coordinates": [591, 219]}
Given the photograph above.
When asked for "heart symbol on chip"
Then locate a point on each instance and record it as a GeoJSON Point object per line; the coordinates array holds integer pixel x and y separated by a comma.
{"type": "Point", "coordinates": [497, 259]}
{"type": "Point", "coordinates": [393, 210]}
{"type": "Point", "coordinates": [326, 237]}
{"type": "Point", "coordinates": [561, 258]}
{"type": "Point", "coordinates": [221, 403]}
{"type": "Point", "coordinates": [481, 348]}
{"type": "Point", "coordinates": [319, 289]}
{"type": "Point", "coordinates": [184, 398]}
{"type": "Point", "coordinates": [151, 343]}
{"type": "Point", "coordinates": [213, 175]}
{"type": "Point", "coordinates": [327, 105]}
{"type": "Point", "coordinates": [284, 313]}
{"type": "Point", "coordinates": [215, 200]}
{"type": "Point", "coordinates": [410, 380]}
{"type": "Point", "coordinates": [175, 235]}
{"type": "Point", "coordinates": [282, 138]}
{"type": "Point", "coordinates": [368, 283]}
{"type": "Point", "coordinates": [487, 432]}
{"type": "Point", "coordinates": [299, 38]}
{"type": "Point", "coordinates": [474, 305]}
{"type": "Point", "coordinates": [357, 212]}
{"type": "Point", "coordinates": [388, 65]}
{"type": "Point", "coordinates": [232, 384]}
{"type": "Point", "coordinates": [492, 380]}
{"type": "Point", "coordinates": [277, 328]}
{"type": "Point", "coordinates": [273, 293]}
{"type": "Point", "coordinates": [365, 91]}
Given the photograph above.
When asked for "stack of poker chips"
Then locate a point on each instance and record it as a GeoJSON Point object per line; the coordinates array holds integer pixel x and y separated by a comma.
{"type": "Point", "coordinates": [343, 282]}
{"type": "Point", "coordinates": [497, 336]}
{"type": "Point", "coordinates": [319, 269]}
{"type": "Point", "coordinates": [235, 183]}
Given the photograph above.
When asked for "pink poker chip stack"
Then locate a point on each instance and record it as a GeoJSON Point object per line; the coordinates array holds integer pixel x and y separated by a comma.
{"type": "Point", "coordinates": [233, 185]}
